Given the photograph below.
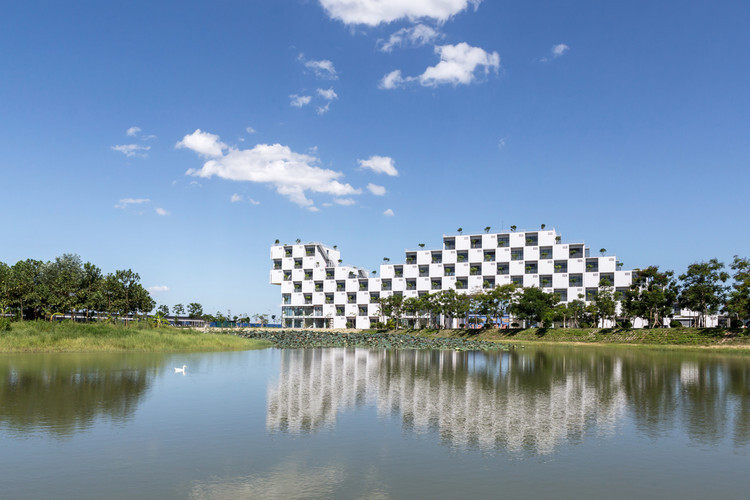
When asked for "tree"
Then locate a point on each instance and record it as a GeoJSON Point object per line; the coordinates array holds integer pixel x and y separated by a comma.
{"type": "Point", "coordinates": [195, 310]}
{"type": "Point", "coordinates": [543, 226]}
{"type": "Point", "coordinates": [392, 307]}
{"type": "Point", "coordinates": [178, 309]}
{"type": "Point", "coordinates": [163, 310]}
{"type": "Point", "coordinates": [738, 304]}
{"type": "Point", "coordinates": [534, 306]}
{"type": "Point", "coordinates": [487, 229]}
{"type": "Point", "coordinates": [513, 228]}
{"type": "Point", "coordinates": [421, 245]}
{"type": "Point", "coordinates": [605, 303]}
{"type": "Point", "coordinates": [651, 296]}
{"type": "Point", "coordinates": [25, 287]}
{"type": "Point", "coordinates": [602, 251]}
{"type": "Point", "coordinates": [495, 303]}
{"type": "Point", "coordinates": [276, 242]}
{"type": "Point", "coordinates": [702, 288]}
{"type": "Point", "coordinates": [460, 230]}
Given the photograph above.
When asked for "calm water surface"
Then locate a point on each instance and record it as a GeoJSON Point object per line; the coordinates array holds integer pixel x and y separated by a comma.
{"type": "Point", "coordinates": [355, 423]}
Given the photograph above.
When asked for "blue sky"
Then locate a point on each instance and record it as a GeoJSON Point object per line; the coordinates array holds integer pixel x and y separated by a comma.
{"type": "Point", "coordinates": [127, 129]}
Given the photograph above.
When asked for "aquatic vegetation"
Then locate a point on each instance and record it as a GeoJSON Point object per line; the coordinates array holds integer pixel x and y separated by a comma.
{"type": "Point", "coordinates": [297, 339]}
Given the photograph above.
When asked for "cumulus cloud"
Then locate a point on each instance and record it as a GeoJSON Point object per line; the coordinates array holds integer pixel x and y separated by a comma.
{"type": "Point", "coordinates": [253, 202]}
{"type": "Point", "coordinates": [313, 209]}
{"type": "Point", "coordinates": [131, 150]}
{"type": "Point", "coordinates": [322, 69]}
{"type": "Point", "coordinates": [374, 12]}
{"type": "Point", "coordinates": [459, 65]}
{"type": "Point", "coordinates": [389, 213]}
{"type": "Point", "coordinates": [376, 190]}
{"type": "Point", "coordinates": [379, 164]}
{"type": "Point", "coordinates": [235, 198]}
{"type": "Point", "coordinates": [344, 201]}
{"type": "Point", "coordinates": [158, 289]}
{"type": "Point", "coordinates": [299, 100]}
{"type": "Point", "coordinates": [292, 174]}
{"type": "Point", "coordinates": [123, 203]}
{"type": "Point", "coordinates": [392, 80]}
{"type": "Point", "coordinates": [250, 130]}
{"type": "Point", "coordinates": [132, 131]}
{"type": "Point", "coordinates": [557, 51]}
{"type": "Point", "coordinates": [161, 211]}
{"type": "Point", "coordinates": [414, 36]}
{"type": "Point", "coordinates": [328, 95]}
{"type": "Point", "coordinates": [203, 143]}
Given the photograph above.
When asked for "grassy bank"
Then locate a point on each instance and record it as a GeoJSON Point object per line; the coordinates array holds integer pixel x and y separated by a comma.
{"type": "Point", "coordinates": [44, 336]}
{"type": "Point", "coordinates": [678, 337]}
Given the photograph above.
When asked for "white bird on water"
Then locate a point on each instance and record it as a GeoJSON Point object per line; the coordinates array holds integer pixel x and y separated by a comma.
{"type": "Point", "coordinates": [180, 370]}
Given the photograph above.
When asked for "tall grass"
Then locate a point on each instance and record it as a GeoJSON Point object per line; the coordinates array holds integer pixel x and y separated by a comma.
{"type": "Point", "coordinates": [44, 336]}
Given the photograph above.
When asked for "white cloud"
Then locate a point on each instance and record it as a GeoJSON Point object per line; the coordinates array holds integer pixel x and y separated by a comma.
{"type": "Point", "coordinates": [299, 100]}
{"type": "Point", "coordinates": [458, 64]}
{"type": "Point", "coordinates": [132, 131]}
{"type": "Point", "coordinates": [161, 211]}
{"type": "Point", "coordinates": [344, 201]}
{"type": "Point", "coordinates": [501, 143]}
{"type": "Point", "coordinates": [557, 51]}
{"type": "Point", "coordinates": [131, 150]}
{"type": "Point", "coordinates": [158, 289]}
{"type": "Point", "coordinates": [379, 164]}
{"type": "Point", "coordinates": [415, 36]}
{"type": "Point", "coordinates": [292, 174]}
{"type": "Point", "coordinates": [323, 68]}
{"type": "Point", "coordinates": [313, 209]}
{"type": "Point", "coordinates": [376, 190]}
{"type": "Point", "coordinates": [392, 80]}
{"type": "Point", "coordinates": [250, 130]}
{"type": "Point", "coordinates": [123, 203]}
{"type": "Point", "coordinates": [374, 12]}
{"type": "Point", "coordinates": [253, 202]}
{"type": "Point", "coordinates": [328, 95]}
{"type": "Point", "coordinates": [389, 213]}
{"type": "Point", "coordinates": [203, 143]}
{"type": "Point", "coordinates": [235, 198]}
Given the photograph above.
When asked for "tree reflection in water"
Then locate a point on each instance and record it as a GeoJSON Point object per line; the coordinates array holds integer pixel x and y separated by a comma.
{"type": "Point", "coordinates": [65, 394]}
{"type": "Point", "coordinates": [531, 400]}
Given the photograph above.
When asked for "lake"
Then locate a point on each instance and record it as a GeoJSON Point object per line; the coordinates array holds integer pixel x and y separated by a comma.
{"type": "Point", "coordinates": [539, 422]}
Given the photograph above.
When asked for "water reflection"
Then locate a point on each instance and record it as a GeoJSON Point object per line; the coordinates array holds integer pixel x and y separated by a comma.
{"type": "Point", "coordinates": [530, 400]}
{"type": "Point", "coordinates": [65, 394]}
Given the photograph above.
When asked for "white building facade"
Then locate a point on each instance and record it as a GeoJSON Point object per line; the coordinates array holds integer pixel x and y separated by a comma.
{"type": "Point", "coordinates": [319, 292]}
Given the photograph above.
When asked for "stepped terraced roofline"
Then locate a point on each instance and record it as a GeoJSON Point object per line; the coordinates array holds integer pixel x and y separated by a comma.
{"type": "Point", "coordinates": [318, 291]}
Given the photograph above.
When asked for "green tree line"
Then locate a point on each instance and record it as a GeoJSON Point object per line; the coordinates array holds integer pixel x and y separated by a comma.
{"type": "Point", "coordinates": [33, 289]}
{"type": "Point", "coordinates": [653, 296]}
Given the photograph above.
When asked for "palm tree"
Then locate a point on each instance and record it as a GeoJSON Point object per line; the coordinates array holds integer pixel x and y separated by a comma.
{"type": "Point", "coordinates": [513, 228]}
{"type": "Point", "coordinates": [487, 229]}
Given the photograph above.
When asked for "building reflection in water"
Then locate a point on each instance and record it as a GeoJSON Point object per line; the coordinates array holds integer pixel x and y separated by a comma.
{"type": "Point", "coordinates": [487, 400]}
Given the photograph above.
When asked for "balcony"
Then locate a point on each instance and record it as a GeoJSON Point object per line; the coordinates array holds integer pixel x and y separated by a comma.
{"type": "Point", "coordinates": [277, 265]}
{"type": "Point", "coordinates": [503, 268]}
{"type": "Point", "coordinates": [424, 271]}
{"type": "Point", "coordinates": [449, 243]}
{"type": "Point", "coordinates": [575, 280]}
{"type": "Point", "coordinates": [475, 270]}
{"type": "Point", "coordinates": [531, 268]}
{"type": "Point", "coordinates": [516, 254]}
{"type": "Point", "coordinates": [489, 256]}
{"type": "Point", "coordinates": [476, 242]}
{"type": "Point", "coordinates": [461, 284]}
{"type": "Point", "coordinates": [298, 263]}
{"type": "Point", "coordinates": [437, 257]}
{"type": "Point", "coordinates": [545, 281]}
{"type": "Point", "coordinates": [545, 253]}
{"type": "Point", "coordinates": [462, 256]}
{"type": "Point", "coordinates": [436, 285]}
{"type": "Point", "coordinates": [561, 266]}
{"type": "Point", "coordinates": [449, 271]}
{"type": "Point", "coordinates": [351, 299]}
{"type": "Point", "coordinates": [532, 239]}
{"type": "Point", "coordinates": [503, 240]}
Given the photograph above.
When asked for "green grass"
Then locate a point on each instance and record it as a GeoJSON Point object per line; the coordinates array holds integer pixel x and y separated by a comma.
{"type": "Point", "coordinates": [44, 336]}
{"type": "Point", "coordinates": [678, 337]}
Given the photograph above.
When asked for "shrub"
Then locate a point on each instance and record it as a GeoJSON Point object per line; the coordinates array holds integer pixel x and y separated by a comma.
{"type": "Point", "coordinates": [514, 325]}
{"type": "Point", "coordinates": [675, 324]}
{"type": "Point", "coordinates": [626, 324]}
{"type": "Point", "coordinates": [4, 325]}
